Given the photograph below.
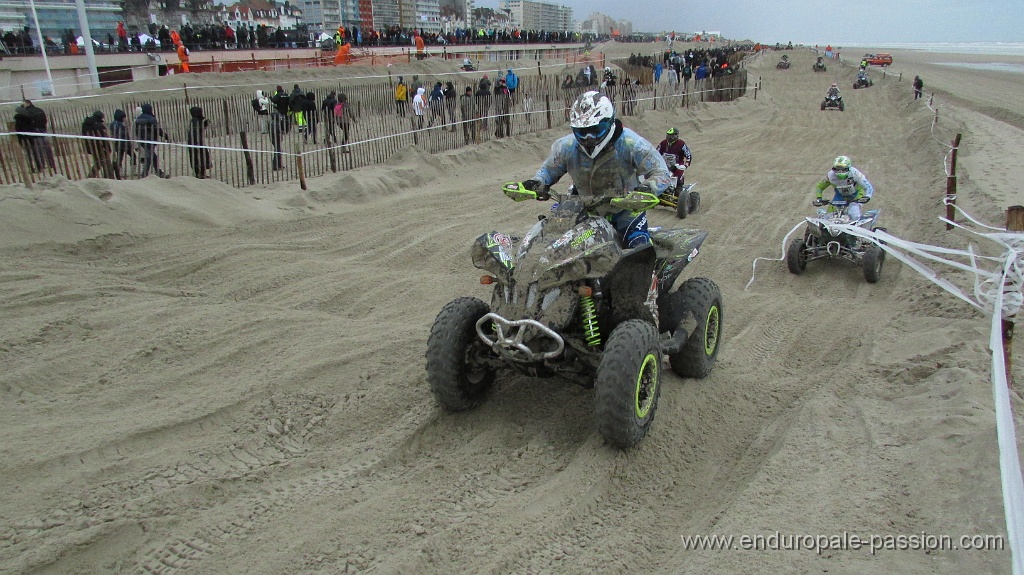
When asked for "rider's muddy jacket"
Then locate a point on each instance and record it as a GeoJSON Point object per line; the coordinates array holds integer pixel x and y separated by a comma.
{"type": "Point", "coordinates": [616, 168]}
{"type": "Point", "coordinates": [832, 92]}
{"type": "Point", "coordinates": [856, 185]}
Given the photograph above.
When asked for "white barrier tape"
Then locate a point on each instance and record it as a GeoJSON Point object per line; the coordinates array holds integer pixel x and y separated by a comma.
{"type": "Point", "coordinates": [1006, 434]}
{"type": "Point", "coordinates": [134, 142]}
{"type": "Point", "coordinates": [783, 258]}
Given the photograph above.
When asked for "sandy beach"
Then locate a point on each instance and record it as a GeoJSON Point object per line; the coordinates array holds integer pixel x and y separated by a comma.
{"type": "Point", "coordinates": [197, 379]}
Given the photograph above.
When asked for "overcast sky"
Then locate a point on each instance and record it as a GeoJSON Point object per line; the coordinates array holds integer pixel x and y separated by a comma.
{"type": "Point", "coordinates": [819, 21]}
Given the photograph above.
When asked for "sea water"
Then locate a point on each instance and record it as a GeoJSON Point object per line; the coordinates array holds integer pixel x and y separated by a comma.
{"type": "Point", "coordinates": [985, 48]}
{"type": "Point", "coordinates": [979, 48]}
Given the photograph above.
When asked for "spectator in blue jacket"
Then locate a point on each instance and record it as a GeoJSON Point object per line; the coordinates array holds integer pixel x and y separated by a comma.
{"type": "Point", "coordinates": [512, 83]}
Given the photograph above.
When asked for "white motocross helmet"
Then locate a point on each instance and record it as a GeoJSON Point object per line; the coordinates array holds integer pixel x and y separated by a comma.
{"type": "Point", "coordinates": [592, 119]}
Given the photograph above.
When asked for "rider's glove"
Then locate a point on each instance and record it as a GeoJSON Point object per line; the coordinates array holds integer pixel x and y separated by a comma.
{"type": "Point", "coordinates": [819, 202]}
{"type": "Point", "coordinates": [540, 188]}
{"type": "Point", "coordinates": [862, 200]}
{"type": "Point", "coordinates": [646, 187]}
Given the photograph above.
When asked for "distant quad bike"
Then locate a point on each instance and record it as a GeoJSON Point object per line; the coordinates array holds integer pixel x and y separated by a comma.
{"type": "Point", "coordinates": [784, 63]}
{"type": "Point", "coordinates": [569, 300]}
{"type": "Point", "coordinates": [679, 197]}
{"type": "Point", "coordinates": [833, 103]}
{"type": "Point", "coordinates": [862, 82]}
{"type": "Point", "coordinates": [819, 65]}
{"type": "Point", "coordinates": [821, 241]}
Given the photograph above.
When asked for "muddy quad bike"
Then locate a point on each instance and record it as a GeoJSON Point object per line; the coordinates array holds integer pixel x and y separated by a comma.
{"type": "Point", "coordinates": [819, 66]}
{"type": "Point", "coordinates": [570, 301]}
{"type": "Point", "coordinates": [821, 240]}
{"type": "Point", "coordinates": [679, 197]}
{"type": "Point", "coordinates": [784, 63]}
{"type": "Point", "coordinates": [833, 103]}
{"type": "Point", "coordinates": [862, 82]}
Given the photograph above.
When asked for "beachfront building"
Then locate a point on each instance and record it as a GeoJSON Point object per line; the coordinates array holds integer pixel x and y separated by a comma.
{"type": "Point", "coordinates": [456, 13]}
{"type": "Point", "coordinates": [251, 14]}
{"type": "Point", "coordinates": [395, 13]}
{"type": "Point", "coordinates": [530, 15]}
{"type": "Point", "coordinates": [602, 25]}
{"type": "Point", "coordinates": [428, 15]}
{"type": "Point", "coordinates": [56, 17]}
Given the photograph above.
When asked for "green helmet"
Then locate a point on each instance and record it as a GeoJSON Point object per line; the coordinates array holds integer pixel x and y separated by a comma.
{"type": "Point", "coordinates": [841, 167]}
{"type": "Point", "coordinates": [673, 134]}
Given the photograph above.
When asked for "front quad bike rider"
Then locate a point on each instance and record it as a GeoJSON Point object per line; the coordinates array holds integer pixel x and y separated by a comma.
{"type": "Point", "coordinates": [680, 153]}
{"type": "Point", "coordinates": [833, 91]}
{"type": "Point", "coordinates": [850, 185]}
{"type": "Point", "coordinates": [601, 155]}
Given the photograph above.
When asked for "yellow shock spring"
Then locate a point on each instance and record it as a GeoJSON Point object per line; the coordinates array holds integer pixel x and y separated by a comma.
{"type": "Point", "coordinates": [591, 330]}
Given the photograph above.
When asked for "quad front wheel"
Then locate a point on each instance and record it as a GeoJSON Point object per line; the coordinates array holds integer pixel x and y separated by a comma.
{"type": "Point", "coordinates": [683, 203]}
{"type": "Point", "coordinates": [796, 256]}
{"type": "Point", "coordinates": [628, 383]}
{"type": "Point", "coordinates": [874, 257]}
{"type": "Point", "coordinates": [456, 373]}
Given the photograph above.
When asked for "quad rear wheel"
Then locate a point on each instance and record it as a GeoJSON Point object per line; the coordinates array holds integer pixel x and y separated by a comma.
{"type": "Point", "coordinates": [628, 383]}
{"type": "Point", "coordinates": [697, 307]}
{"type": "Point", "coordinates": [457, 376]}
{"type": "Point", "coordinates": [694, 202]}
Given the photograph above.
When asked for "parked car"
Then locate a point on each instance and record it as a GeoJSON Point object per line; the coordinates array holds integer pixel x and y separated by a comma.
{"type": "Point", "coordinates": [878, 59]}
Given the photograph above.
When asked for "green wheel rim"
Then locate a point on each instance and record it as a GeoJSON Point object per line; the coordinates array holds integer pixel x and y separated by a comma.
{"type": "Point", "coordinates": [711, 331]}
{"type": "Point", "coordinates": [646, 382]}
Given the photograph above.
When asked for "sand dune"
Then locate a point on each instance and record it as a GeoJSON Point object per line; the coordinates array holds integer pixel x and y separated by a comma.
{"type": "Point", "coordinates": [200, 379]}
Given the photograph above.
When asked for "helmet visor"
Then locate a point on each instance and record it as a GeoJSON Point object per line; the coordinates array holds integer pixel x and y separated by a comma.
{"type": "Point", "coordinates": [594, 133]}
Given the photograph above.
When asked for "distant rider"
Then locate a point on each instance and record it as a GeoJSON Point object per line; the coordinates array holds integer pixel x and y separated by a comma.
{"type": "Point", "coordinates": [833, 91]}
{"type": "Point", "coordinates": [850, 185]}
{"type": "Point", "coordinates": [673, 145]}
{"type": "Point", "coordinates": [604, 158]}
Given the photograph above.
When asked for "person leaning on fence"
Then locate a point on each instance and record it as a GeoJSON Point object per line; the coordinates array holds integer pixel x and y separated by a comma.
{"type": "Point", "coordinates": [198, 156]}
{"type": "Point", "coordinates": [436, 102]}
{"type": "Point", "coordinates": [419, 107]}
{"type": "Point", "coordinates": [502, 109]}
{"type": "Point", "coordinates": [296, 103]}
{"type": "Point", "coordinates": [280, 100]}
{"type": "Point", "coordinates": [467, 105]}
{"type": "Point", "coordinates": [327, 113]}
{"type": "Point", "coordinates": [309, 114]}
{"type": "Point", "coordinates": [123, 145]}
{"type": "Point", "coordinates": [449, 102]}
{"type": "Point", "coordinates": [401, 97]}
{"type": "Point", "coordinates": [31, 119]}
{"type": "Point", "coordinates": [343, 114]}
{"type": "Point", "coordinates": [147, 132]}
{"type": "Point", "coordinates": [483, 104]}
{"type": "Point", "coordinates": [94, 127]}
{"type": "Point", "coordinates": [261, 106]}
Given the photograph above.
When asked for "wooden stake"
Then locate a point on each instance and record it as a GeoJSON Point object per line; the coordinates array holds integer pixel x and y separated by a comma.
{"type": "Point", "coordinates": [249, 172]}
{"type": "Point", "coordinates": [298, 165]}
{"type": "Point", "coordinates": [951, 184]}
{"type": "Point", "coordinates": [1014, 223]}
